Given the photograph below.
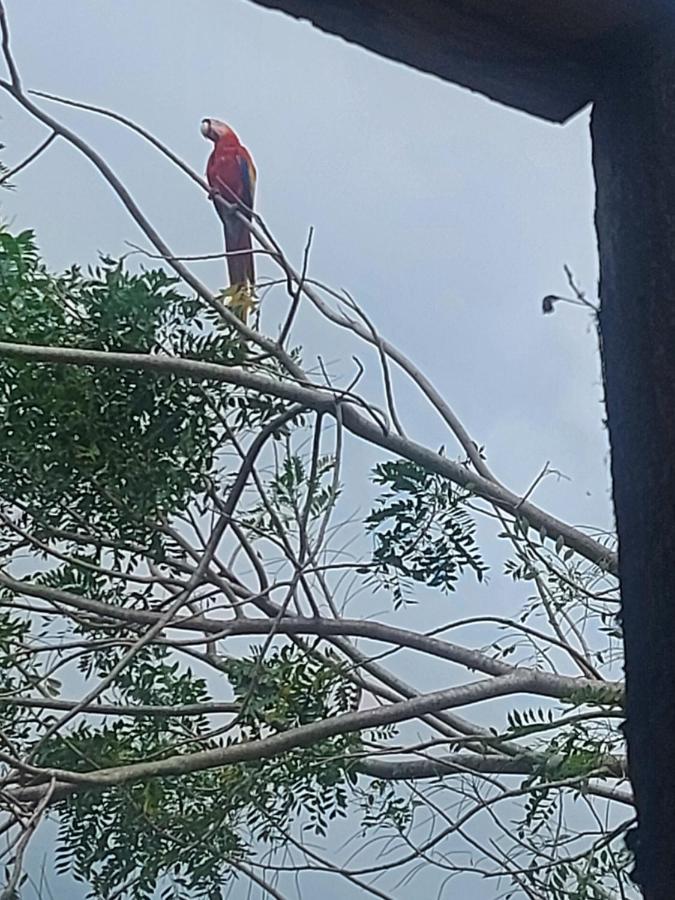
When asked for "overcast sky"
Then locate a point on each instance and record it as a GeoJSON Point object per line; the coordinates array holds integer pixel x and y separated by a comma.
{"type": "Point", "coordinates": [447, 216]}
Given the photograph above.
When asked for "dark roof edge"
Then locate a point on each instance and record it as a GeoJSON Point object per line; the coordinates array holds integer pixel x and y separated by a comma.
{"type": "Point", "coordinates": [472, 52]}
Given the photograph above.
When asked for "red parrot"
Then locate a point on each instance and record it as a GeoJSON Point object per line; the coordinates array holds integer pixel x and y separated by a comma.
{"type": "Point", "coordinates": [231, 175]}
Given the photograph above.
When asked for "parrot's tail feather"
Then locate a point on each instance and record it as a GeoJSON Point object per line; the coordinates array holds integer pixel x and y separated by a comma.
{"type": "Point", "coordinates": [240, 265]}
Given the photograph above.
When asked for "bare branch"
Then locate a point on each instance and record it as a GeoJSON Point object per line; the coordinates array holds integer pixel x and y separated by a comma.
{"type": "Point", "coordinates": [136, 712]}
{"type": "Point", "coordinates": [29, 159]}
{"type": "Point", "coordinates": [547, 683]}
{"type": "Point", "coordinates": [460, 763]}
{"type": "Point", "coordinates": [6, 51]}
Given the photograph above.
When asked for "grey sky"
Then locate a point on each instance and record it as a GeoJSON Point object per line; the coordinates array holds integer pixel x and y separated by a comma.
{"type": "Point", "coordinates": [447, 216]}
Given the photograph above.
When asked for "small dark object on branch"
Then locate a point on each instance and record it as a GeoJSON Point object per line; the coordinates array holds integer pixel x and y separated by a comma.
{"type": "Point", "coordinates": [547, 303]}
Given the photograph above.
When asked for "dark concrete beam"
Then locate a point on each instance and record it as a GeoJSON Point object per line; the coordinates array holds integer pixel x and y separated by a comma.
{"type": "Point", "coordinates": [633, 130]}
{"type": "Point", "coordinates": [535, 55]}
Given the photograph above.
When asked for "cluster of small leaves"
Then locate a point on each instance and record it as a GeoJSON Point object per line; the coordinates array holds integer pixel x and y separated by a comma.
{"type": "Point", "coordinates": [528, 721]}
{"type": "Point", "coordinates": [422, 531]}
{"type": "Point", "coordinates": [293, 493]}
{"type": "Point", "coordinates": [555, 553]}
{"type": "Point", "coordinates": [288, 688]}
{"type": "Point", "coordinates": [310, 785]}
{"type": "Point", "coordinates": [383, 807]}
{"type": "Point", "coordinates": [178, 831]}
{"type": "Point", "coordinates": [570, 583]}
{"type": "Point", "coordinates": [111, 447]}
{"type": "Point", "coordinates": [577, 751]}
{"type": "Point", "coordinates": [587, 877]}
{"type": "Point", "coordinates": [85, 582]}
{"type": "Point", "coordinates": [602, 699]}
{"type": "Point", "coordinates": [594, 875]}
{"type": "Point", "coordinates": [137, 834]}
{"type": "Point", "coordinates": [604, 696]}
{"type": "Point", "coordinates": [148, 677]}
{"type": "Point", "coordinates": [12, 633]}
{"type": "Point", "coordinates": [591, 877]}
{"type": "Point", "coordinates": [574, 754]}
{"type": "Point", "coordinates": [578, 748]}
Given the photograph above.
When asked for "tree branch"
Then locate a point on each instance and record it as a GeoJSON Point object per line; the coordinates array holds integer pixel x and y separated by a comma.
{"type": "Point", "coordinates": [29, 159]}
{"type": "Point", "coordinates": [137, 712]}
{"type": "Point", "coordinates": [324, 401]}
{"type": "Point", "coordinates": [548, 683]}
{"type": "Point", "coordinates": [294, 738]}
{"type": "Point", "coordinates": [459, 763]}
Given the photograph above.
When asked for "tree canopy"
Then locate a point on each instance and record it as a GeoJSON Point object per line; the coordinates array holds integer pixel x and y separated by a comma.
{"type": "Point", "coordinates": [197, 685]}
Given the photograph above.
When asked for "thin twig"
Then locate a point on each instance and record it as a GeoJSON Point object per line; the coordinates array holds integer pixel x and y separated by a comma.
{"type": "Point", "coordinates": [30, 158]}
{"type": "Point", "coordinates": [297, 293]}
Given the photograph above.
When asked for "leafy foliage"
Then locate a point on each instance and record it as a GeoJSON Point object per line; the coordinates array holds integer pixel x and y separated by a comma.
{"type": "Point", "coordinates": [384, 808]}
{"type": "Point", "coordinates": [115, 451]}
{"type": "Point", "coordinates": [287, 688]}
{"type": "Point", "coordinates": [100, 470]}
{"type": "Point", "coordinates": [585, 879]}
{"type": "Point", "coordinates": [183, 830]}
{"type": "Point", "coordinates": [111, 447]}
{"type": "Point", "coordinates": [188, 827]}
{"type": "Point", "coordinates": [294, 490]}
{"type": "Point", "coordinates": [422, 531]}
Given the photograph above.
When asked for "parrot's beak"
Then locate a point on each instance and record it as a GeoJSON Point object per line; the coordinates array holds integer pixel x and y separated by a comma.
{"type": "Point", "coordinates": [205, 128]}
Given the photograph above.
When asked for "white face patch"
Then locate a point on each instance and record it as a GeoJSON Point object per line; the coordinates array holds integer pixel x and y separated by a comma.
{"type": "Point", "coordinates": [214, 129]}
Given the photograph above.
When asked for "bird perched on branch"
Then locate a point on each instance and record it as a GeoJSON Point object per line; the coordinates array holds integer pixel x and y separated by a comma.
{"type": "Point", "coordinates": [231, 175]}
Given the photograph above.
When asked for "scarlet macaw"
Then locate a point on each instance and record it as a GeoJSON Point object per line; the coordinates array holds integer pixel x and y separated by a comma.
{"type": "Point", "coordinates": [231, 175]}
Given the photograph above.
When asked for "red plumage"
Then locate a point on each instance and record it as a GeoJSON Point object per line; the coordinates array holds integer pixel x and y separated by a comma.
{"type": "Point", "coordinates": [231, 174]}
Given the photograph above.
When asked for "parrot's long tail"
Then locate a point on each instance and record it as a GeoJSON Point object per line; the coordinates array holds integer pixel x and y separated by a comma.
{"type": "Point", "coordinates": [240, 266]}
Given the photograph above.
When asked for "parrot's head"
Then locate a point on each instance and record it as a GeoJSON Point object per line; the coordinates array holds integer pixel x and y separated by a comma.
{"type": "Point", "coordinates": [214, 130]}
